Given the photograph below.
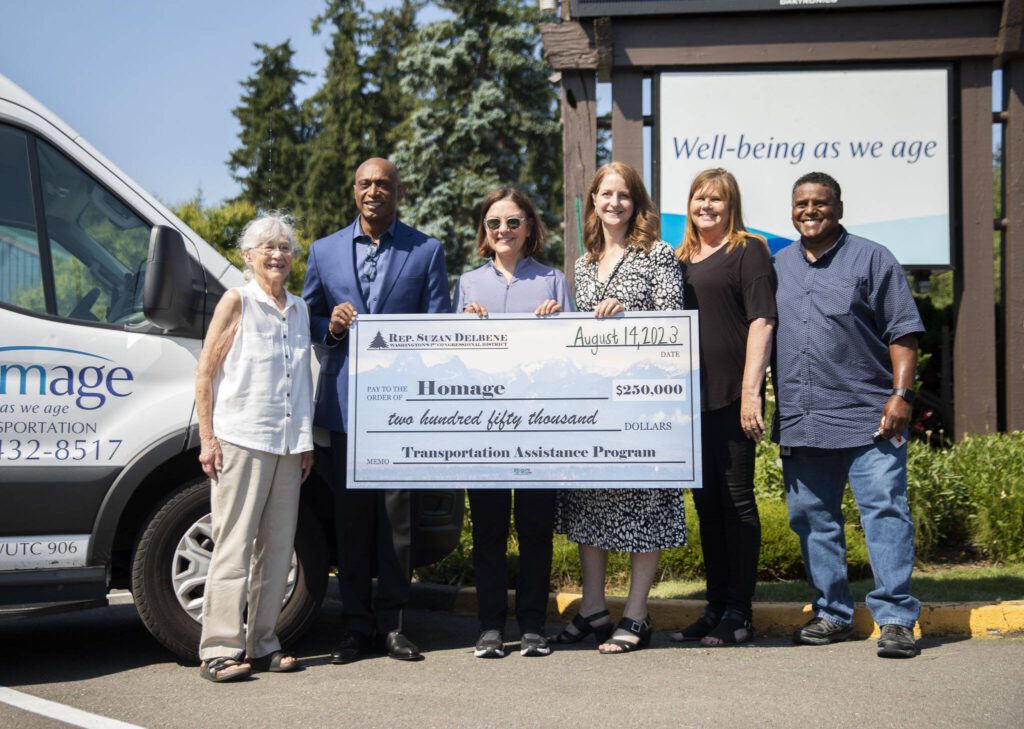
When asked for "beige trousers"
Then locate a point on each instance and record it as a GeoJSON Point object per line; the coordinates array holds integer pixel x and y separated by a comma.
{"type": "Point", "coordinates": [255, 505]}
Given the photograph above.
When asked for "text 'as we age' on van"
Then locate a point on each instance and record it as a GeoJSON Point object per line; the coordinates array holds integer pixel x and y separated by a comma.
{"type": "Point", "coordinates": [105, 297]}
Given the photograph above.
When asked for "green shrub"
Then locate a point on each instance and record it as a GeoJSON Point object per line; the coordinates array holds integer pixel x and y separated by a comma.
{"type": "Point", "coordinates": [780, 554]}
{"type": "Point", "coordinates": [939, 502]}
{"type": "Point", "coordinates": [967, 498]}
{"type": "Point", "coordinates": [684, 562]}
{"type": "Point", "coordinates": [991, 470]}
{"type": "Point", "coordinates": [768, 472]}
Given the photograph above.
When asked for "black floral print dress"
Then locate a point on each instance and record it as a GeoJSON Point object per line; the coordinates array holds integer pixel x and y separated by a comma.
{"type": "Point", "coordinates": [628, 520]}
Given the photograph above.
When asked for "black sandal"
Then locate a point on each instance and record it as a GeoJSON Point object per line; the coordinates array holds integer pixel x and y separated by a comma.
{"type": "Point", "coordinates": [641, 630]}
{"type": "Point", "coordinates": [696, 630]}
{"type": "Point", "coordinates": [221, 669]}
{"type": "Point", "coordinates": [733, 629]}
{"type": "Point", "coordinates": [275, 663]}
{"type": "Point", "coordinates": [585, 626]}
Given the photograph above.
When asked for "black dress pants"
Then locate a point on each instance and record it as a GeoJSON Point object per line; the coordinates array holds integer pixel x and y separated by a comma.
{"type": "Point", "coordinates": [374, 530]}
{"type": "Point", "coordinates": [535, 515]}
{"type": "Point", "coordinates": [730, 528]}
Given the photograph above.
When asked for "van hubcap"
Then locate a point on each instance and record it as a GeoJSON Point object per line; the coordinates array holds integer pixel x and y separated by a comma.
{"type": "Point", "coordinates": [191, 564]}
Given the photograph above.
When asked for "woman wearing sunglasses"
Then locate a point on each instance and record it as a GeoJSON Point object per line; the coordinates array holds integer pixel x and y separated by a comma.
{"type": "Point", "coordinates": [509, 233]}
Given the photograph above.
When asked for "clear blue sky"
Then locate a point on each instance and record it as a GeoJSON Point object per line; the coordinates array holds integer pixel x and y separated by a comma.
{"type": "Point", "coordinates": [152, 84]}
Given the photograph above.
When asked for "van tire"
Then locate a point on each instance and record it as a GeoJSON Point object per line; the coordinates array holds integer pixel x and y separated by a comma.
{"type": "Point", "coordinates": [154, 594]}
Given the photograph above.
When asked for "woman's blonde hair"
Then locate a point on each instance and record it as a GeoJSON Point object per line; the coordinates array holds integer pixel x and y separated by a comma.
{"type": "Point", "coordinates": [723, 182]}
{"type": "Point", "coordinates": [644, 227]}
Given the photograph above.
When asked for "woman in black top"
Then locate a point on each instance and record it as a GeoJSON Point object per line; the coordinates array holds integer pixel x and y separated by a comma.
{"type": "Point", "coordinates": [729, 278]}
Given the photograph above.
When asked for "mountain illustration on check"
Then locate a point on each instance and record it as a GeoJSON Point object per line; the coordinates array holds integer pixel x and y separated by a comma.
{"type": "Point", "coordinates": [525, 380]}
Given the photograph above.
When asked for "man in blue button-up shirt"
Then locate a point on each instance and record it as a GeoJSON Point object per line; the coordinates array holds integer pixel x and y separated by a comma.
{"type": "Point", "coordinates": [845, 354]}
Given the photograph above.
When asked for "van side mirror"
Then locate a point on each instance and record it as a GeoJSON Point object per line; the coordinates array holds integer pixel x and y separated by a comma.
{"type": "Point", "coordinates": [167, 294]}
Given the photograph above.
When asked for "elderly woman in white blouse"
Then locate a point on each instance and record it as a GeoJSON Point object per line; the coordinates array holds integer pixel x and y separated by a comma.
{"type": "Point", "coordinates": [254, 398]}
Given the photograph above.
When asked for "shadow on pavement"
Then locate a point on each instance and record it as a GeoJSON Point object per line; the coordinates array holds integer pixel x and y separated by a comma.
{"type": "Point", "coordinates": [77, 646]}
{"type": "Point", "coordinates": [452, 633]}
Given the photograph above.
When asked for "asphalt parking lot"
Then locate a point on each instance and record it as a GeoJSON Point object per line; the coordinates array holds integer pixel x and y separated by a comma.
{"type": "Point", "coordinates": [104, 662]}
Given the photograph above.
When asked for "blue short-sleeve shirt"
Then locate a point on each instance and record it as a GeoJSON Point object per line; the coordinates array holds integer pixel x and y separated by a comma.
{"type": "Point", "coordinates": [837, 317]}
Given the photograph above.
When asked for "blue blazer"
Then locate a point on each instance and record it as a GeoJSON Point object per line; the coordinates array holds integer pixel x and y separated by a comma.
{"type": "Point", "coordinates": [415, 281]}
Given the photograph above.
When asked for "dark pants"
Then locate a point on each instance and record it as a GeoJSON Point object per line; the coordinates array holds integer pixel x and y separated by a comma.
{"type": "Point", "coordinates": [535, 516]}
{"type": "Point", "coordinates": [374, 529]}
{"type": "Point", "coordinates": [730, 528]}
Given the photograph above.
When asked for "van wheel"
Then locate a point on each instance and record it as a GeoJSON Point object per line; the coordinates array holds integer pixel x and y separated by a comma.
{"type": "Point", "coordinates": [171, 560]}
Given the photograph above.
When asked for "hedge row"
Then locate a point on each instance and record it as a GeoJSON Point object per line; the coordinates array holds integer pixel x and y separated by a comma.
{"type": "Point", "coordinates": [967, 501]}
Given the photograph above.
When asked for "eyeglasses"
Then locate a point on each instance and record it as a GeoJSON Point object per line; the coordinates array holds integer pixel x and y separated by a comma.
{"type": "Point", "coordinates": [512, 223]}
{"type": "Point", "coordinates": [369, 267]}
{"type": "Point", "coordinates": [269, 250]}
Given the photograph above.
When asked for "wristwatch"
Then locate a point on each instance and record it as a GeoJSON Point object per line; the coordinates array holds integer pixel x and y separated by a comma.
{"type": "Point", "coordinates": [906, 393]}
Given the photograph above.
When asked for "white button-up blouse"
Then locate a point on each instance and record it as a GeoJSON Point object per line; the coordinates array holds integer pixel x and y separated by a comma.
{"type": "Point", "coordinates": [263, 394]}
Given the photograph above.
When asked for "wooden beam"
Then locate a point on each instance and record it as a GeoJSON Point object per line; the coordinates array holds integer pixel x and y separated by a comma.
{"type": "Point", "coordinates": [605, 48]}
{"type": "Point", "coordinates": [568, 46]}
{"type": "Point", "coordinates": [808, 37]}
{"type": "Point", "coordinates": [1013, 248]}
{"type": "Point", "coordinates": [1010, 42]}
{"type": "Point", "coordinates": [628, 117]}
{"type": "Point", "coordinates": [974, 343]}
{"type": "Point", "coordinates": [579, 161]}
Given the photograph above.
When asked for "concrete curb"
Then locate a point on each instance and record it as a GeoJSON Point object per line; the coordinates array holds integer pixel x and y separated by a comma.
{"type": "Point", "coordinates": [965, 619]}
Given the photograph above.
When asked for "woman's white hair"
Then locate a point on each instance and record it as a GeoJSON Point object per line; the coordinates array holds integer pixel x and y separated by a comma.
{"type": "Point", "coordinates": [265, 229]}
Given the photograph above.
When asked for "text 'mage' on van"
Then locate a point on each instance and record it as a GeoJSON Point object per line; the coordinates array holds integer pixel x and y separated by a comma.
{"type": "Point", "coordinates": [104, 299]}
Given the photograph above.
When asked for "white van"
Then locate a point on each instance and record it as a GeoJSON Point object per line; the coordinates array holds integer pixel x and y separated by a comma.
{"type": "Point", "coordinates": [105, 296]}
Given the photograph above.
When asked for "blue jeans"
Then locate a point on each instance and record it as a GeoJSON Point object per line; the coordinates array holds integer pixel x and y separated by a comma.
{"type": "Point", "coordinates": [815, 479]}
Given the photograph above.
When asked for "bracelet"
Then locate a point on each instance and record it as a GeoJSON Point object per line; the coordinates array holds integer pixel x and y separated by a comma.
{"type": "Point", "coordinates": [335, 337]}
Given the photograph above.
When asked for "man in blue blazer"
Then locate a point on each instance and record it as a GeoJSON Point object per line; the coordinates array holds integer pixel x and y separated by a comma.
{"type": "Point", "coordinates": [376, 265]}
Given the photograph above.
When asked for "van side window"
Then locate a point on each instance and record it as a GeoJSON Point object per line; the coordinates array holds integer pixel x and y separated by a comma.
{"type": "Point", "coordinates": [98, 245]}
{"type": "Point", "coordinates": [21, 280]}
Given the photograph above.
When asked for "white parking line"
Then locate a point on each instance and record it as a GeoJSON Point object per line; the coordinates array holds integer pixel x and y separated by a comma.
{"type": "Point", "coordinates": [60, 712]}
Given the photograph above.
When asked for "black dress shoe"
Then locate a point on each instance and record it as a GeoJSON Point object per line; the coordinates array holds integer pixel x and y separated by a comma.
{"type": "Point", "coordinates": [352, 647]}
{"type": "Point", "coordinates": [400, 648]}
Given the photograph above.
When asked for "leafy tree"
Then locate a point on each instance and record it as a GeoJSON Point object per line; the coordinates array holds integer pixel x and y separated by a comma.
{"type": "Point", "coordinates": [270, 163]}
{"type": "Point", "coordinates": [484, 116]}
{"type": "Point", "coordinates": [220, 227]}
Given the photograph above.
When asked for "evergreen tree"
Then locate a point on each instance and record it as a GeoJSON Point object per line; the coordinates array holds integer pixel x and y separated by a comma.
{"type": "Point", "coordinates": [391, 31]}
{"type": "Point", "coordinates": [340, 118]}
{"type": "Point", "coordinates": [485, 116]}
{"type": "Point", "coordinates": [270, 163]}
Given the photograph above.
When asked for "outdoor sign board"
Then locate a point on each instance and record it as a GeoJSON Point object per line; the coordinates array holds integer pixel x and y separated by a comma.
{"type": "Point", "coordinates": [609, 8]}
{"type": "Point", "coordinates": [882, 133]}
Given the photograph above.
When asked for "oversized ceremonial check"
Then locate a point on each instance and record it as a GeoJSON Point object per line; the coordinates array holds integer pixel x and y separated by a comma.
{"type": "Point", "coordinates": [513, 400]}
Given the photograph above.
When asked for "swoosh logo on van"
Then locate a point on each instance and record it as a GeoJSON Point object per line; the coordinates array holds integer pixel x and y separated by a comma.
{"type": "Point", "coordinates": [53, 349]}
